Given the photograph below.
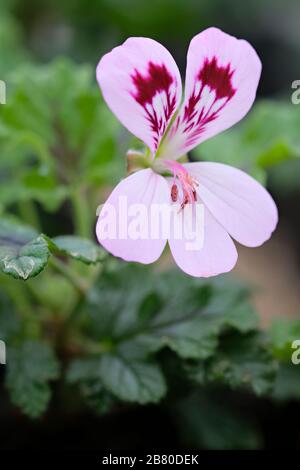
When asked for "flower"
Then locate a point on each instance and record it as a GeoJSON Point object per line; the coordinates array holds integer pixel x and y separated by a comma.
{"type": "Point", "coordinates": [141, 84]}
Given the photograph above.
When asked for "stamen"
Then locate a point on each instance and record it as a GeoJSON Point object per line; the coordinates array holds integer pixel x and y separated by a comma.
{"type": "Point", "coordinates": [174, 192]}
{"type": "Point", "coordinates": [185, 180]}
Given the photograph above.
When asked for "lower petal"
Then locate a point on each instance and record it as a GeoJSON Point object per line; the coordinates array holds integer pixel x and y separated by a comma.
{"type": "Point", "coordinates": [123, 227]}
{"type": "Point", "coordinates": [216, 256]}
{"type": "Point", "coordinates": [237, 201]}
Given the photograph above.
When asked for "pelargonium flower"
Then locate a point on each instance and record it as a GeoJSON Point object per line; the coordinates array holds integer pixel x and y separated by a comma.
{"type": "Point", "coordinates": [141, 84]}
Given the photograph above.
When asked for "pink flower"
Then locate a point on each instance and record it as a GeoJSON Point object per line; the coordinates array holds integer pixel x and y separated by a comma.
{"type": "Point", "coordinates": [141, 84]}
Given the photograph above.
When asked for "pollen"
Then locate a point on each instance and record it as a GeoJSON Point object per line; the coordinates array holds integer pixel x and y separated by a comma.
{"type": "Point", "coordinates": [182, 179]}
{"type": "Point", "coordinates": [174, 192]}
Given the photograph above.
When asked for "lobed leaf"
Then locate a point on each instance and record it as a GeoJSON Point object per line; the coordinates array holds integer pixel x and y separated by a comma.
{"type": "Point", "coordinates": [30, 367]}
{"type": "Point", "coordinates": [23, 254]}
{"type": "Point", "coordinates": [186, 315]}
{"type": "Point", "coordinates": [240, 361]}
{"type": "Point", "coordinates": [78, 248]}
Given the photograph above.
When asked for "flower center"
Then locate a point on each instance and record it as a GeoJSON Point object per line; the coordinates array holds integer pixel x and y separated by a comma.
{"type": "Point", "coordinates": [184, 181]}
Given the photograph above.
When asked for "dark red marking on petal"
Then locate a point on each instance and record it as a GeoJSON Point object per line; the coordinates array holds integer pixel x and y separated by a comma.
{"type": "Point", "coordinates": [193, 121]}
{"type": "Point", "coordinates": [217, 78]}
{"type": "Point", "coordinates": [157, 80]}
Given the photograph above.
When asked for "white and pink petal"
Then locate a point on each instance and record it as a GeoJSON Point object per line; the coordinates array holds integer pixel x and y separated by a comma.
{"type": "Point", "coordinates": [123, 226]}
{"type": "Point", "coordinates": [141, 84]}
{"type": "Point", "coordinates": [238, 202]}
{"type": "Point", "coordinates": [216, 255]}
{"type": "Point", "coordinates": [222, 76]}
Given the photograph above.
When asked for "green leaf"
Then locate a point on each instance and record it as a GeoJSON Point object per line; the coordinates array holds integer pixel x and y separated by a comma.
{"type": "Point", "coordinates": [83, 369]}
{"type": "Point", "coordinates": [202, 418]}
{"type": "Point", "coordinates": [9, 322]}
{"type": "Point", "coordinates": [127, 378]}
{"type": "Point", "coordinates": [132, 380]}
{"type": "Point", "coordinates": [186, 315]}
{"type": "Point", "coordinates": [85, 373]}
{"type": "Point", "coordinates": [23, 254]}
{"type": "Point", "coordinates": [241, 361]}
{"type": "Point", "coordinates": [12, 48]}
{"type": "Point", "coordinates": [283, 332]}
{"type": "Point", "coordinates": [287, 384]}
{"type": "Point", "coordinates": [133, 314]}
{"type": "Point", "coordinates": [49, 135]}
{"type": "Point", "coordinates": [78, 248]}
{"type": "Point", "coordinates": [30, 367]}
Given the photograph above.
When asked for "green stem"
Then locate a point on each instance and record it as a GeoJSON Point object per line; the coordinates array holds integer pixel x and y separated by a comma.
{"type": "Point", "coordinates": [81, 211]}
{"type": "Point", "coordinates": [72, 277]}
{"type": "Point", "coordinates": [71, 319]}
{"type": "Point", "coordinates": [17, 293]}
{"type": "Point", "coordinates": [81, 289]}
{"type": "Point", "coordinates": [29, 214]}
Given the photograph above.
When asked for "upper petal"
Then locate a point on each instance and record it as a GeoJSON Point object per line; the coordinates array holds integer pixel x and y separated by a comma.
{"type": "Point", "coordinates": [243, 207]}
{"type": "Point", "coordinates": [222, 76]}
{"type": "Point", "coordinates": [124, 224]}
{"type": "Point", "coordinates": [141, 84]}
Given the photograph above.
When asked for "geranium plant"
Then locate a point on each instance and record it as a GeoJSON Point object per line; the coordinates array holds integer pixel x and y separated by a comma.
{"type": "Point", "coordinates": [106, 334]}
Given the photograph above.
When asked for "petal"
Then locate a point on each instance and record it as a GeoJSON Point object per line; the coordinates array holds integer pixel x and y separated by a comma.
{"type": "Point", "coordinates": [141, 84]}
{"type": "Point", "coordinates": [238, 202]}
{"type": "Point", "coordinates": [217, 255]}
{"type": "Point", "coordinates": [222, 76]}
{"type": "Point", "coordinates": [123, 227]}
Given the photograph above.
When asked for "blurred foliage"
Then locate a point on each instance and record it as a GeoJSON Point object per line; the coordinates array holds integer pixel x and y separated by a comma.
{"type": "Point", "coordinates": [85, 30]}
{"type": "Point", "coordinates": [202, 419]}
{"type": "Point", "coordinates": [32, 365]}
{"type": "Point", "coordinates": [283, 333]}
{"type": "Point", "coordinates": [12, 50]}
{"type": "Point", "coordinates": [109, 334]}
{"type": "Point", "coordinates": [129, 318]}
{"type": "Point", "coordinates": [56, 135]}
{"type": "Point", "coordinates": [268, 137]}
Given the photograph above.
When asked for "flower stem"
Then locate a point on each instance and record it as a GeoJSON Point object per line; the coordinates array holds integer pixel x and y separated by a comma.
{"type": "Point", "coordinates": [81, 213]}
{"type": "Point", "coordinates": [72, 277]}
{"type": "Point", "coordinates": [29, 215]}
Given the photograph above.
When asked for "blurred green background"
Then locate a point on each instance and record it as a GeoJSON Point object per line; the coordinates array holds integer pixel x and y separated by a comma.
{"type": "Point", "coordinates": [86, 30]}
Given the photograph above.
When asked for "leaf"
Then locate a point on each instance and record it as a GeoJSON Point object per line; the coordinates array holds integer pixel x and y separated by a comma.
{"type": "Point", "coordinates": [241, 361]}
{"type": "Point", "coordinates": [78, 248]}
{"type": "Point", "coordinates": [85, 373]}
{"type": "Point", "coordinates": [11, 42]}
{"type": "Point", "coordinates": [133, 381]}
{"type": "Point", "coordinates": [30, 367]}
{"type": "Point", "coordinates": [126, 378]}
{"type": "Point", "coordinates": [23, 254]}
{"type": "Point", "coordinates": [202, 418]}
{"type": "Point", "coordinates": [283, 332]}
{"type": "Point", "coordinates": [9, 322]}
{"type": "Point", "coordinates": [186, 315]}
{"type": "Point", "coordinates": [49, 135]}
{"type": "Point", "coordinates": [133, 314]}
{"type": "Point", "coordinates": [97, 397]}
{"type": "Point", "coordinates": [287, 384]}
{"type": "Point", "coordinates": [83, 369]}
